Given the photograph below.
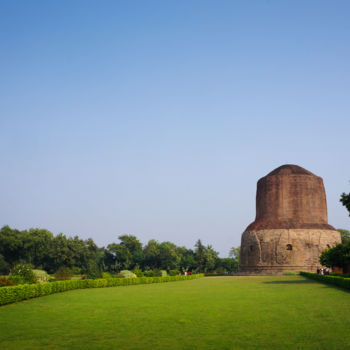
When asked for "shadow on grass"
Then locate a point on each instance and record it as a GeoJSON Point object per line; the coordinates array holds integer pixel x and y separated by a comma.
{"type": "Point", "coordinates": [291, 282]}
{"type": "Point", "coordinates": [309, 281]}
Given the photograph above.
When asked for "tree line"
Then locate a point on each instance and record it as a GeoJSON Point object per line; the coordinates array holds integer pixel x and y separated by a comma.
{"type": "Point", "coordinates": [43, 250]}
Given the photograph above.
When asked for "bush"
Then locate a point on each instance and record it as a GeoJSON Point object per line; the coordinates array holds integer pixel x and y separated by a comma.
{"type": "Point", "coordinates": [94, 272]}
{"type": "Point", "coordinates": [17, 293]}
{"type": "Point", "coordinates": [107, 275]}
{"type": "Point", "coordinates": [149, 273]}
{"type": "Point", "coordinates": [336, 280]}
{"type": "Point", "coordinates": [138, 272]}
{"type": "Point", "coordinates": [344, 275]}
{"type": "Point", "coordinates": [63, 274]}
{"type": "Point", "coordinates": [157, 273]}
{"type": "Point", "coordinates": [5, 282]}
{"type": "Point", "coordinates": [163, 273]}
{"type": "Point", "coordinates": [174, 272]}
{"type": "Point", "coordinates": [4, 266]}
{"type": "Point", "coordinates": [126, 274]}
{"type": "Point", "coordinates": [23, 274]}
{"type": "Point", "coordinates": [41, 275]}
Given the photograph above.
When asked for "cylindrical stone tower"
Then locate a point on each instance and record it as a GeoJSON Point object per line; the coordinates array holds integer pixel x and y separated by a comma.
{"type": "Point", "coordinates": [291, 225]}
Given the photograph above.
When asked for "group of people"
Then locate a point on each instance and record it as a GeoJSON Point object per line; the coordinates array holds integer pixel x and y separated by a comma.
{"type": "Point", "coordinates": [323, 271]}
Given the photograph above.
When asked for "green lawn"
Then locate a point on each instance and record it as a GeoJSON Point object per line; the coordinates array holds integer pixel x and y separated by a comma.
{"type": "Point", "coordinates": [288, 312]}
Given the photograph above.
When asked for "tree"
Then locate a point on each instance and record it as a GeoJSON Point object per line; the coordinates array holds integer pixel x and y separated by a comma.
{"type": "Point", "coordinates": [120, 256]}
{"type": "Point", "coordinates": [229, 264]}
{"type": "Point", "coordinates": [235, 253]}
{"type": "Point", "coordinates": [210, 258]}
{"type": "Point", "coordinates": [135, 248]}
{"type": "Point", "coordinates": [338, 256]}
{"type": "Point", "coordinates": [11, 245]}
{"type": "Point", "coordinates": [345, 235]}
{"type": "Point", "coordinates": [187, 259]}
{"type": "Point", "coordinates": [200, 254]}
{"type": "Point", "coordinates": [345, 200]}
{"type": "Point", "coordinates": [151, 253]}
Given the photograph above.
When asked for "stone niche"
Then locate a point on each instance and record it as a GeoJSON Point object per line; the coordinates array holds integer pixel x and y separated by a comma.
{"type": "Point", "coordinates": [291, 226]}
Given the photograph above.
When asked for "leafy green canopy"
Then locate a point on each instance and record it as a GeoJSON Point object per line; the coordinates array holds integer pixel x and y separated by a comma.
{"type": "Point", "coordinates": [345, 200]}
{"type": "Point", "coordinates": [43, 250]}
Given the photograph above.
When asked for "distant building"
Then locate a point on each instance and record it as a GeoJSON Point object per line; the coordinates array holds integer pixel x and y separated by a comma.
{"type": "Point", "coordinates": [291, 226]}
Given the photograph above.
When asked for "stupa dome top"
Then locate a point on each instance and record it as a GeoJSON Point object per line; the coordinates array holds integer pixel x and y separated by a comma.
{"type": "Point", "coordinates": [290, 169]}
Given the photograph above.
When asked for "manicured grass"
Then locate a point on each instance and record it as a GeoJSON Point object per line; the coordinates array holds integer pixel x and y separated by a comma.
{"type": "Point", "coordinates": [288, 312]}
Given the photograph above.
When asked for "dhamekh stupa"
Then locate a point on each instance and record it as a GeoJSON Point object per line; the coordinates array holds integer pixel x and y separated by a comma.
{"type": "Point", "coordinates": [291, 226]}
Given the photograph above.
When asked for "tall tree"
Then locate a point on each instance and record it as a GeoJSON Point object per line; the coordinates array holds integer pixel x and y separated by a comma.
{"type": "Point", "coordinates": [200, 254]}
{"type": "Point", "coordinates": [135, 248]}
{"type": "Point", "coordinates": [345, 235]}
{"type": "Point", "coordinates": [152, 258]}
{"type": "Point", "coordinates": [345, 200]}
{"type": "Point", "coordinates": [210, 258]}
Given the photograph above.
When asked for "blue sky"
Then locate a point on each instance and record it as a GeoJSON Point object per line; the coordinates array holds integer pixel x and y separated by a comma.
{"type": "Point", "coordinates": [157, 118]}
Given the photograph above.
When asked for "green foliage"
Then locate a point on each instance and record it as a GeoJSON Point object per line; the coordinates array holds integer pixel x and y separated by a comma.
{"type": "Point", "coordinates": [107, 275]}
{"type": "Point", "coordinates": [138, 272]}
{"type": "Point", "coordinates": [4, 266]}
{"type": "Point", "coordinates": [345, 275]}
{"type": "Point", "coordinates": [94, 271]}
{"type": "Point", "coordinates": [45, 251]}
{"type": "Point", "coordinates": [329, 279]}
{"type": "Point", "coordinates": [23, 274]}
{"type": "Point", "coordinates": [338, 256]}
{"type": "Point", "coordinates": [126, 274]}
{"type": "Point", "coordinates": [229, 264]}
{"type": "Point", "coordinates": [149, 273]}
{"type": "Point", "coordinates": [17, 293]}
{"type": "Point", "coordinates": [345, 235]}
{"type": "Point", "coordinates": [41, 276]}
{"type": "Point", "coordinates": [5, 282]}
{"type": "Point", "coordinates": [345, 200]}
{"type": "Point", "coordinates": [63, 274]}
{"type": "Point", "coordinates": [174, 272]}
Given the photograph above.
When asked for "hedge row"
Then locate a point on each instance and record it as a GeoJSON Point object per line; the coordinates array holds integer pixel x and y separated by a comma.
{"type": "Point", "coordinates": [12, 294]}
{"type": "Point", "coordinates": [336, 280]}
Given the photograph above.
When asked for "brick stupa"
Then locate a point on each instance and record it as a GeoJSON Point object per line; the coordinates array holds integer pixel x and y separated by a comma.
{"type": "Point", "coordinates": [291, 226]}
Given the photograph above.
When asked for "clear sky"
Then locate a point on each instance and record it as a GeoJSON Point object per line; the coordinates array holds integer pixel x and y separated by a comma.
{"type": "Point", "coordinates": [157, 118]}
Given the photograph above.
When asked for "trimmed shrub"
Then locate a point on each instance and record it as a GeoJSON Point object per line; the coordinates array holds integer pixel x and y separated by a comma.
{"type": "Point", "coordinates": [164, 273]}
{"type": "Point", "coordinates": [17, 293]}
{"type": "Point", "coordinates": [41, 276]}
{"type": "Point", "coordinates": [126, 274]}
{"type": "Point", "coordinates": [344, 275]}
{"type": "Point", "coordinates": [336, 280]}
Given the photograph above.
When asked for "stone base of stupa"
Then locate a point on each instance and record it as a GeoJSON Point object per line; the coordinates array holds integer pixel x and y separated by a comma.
{"type": "Point", "coordinates": [277, 251]}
